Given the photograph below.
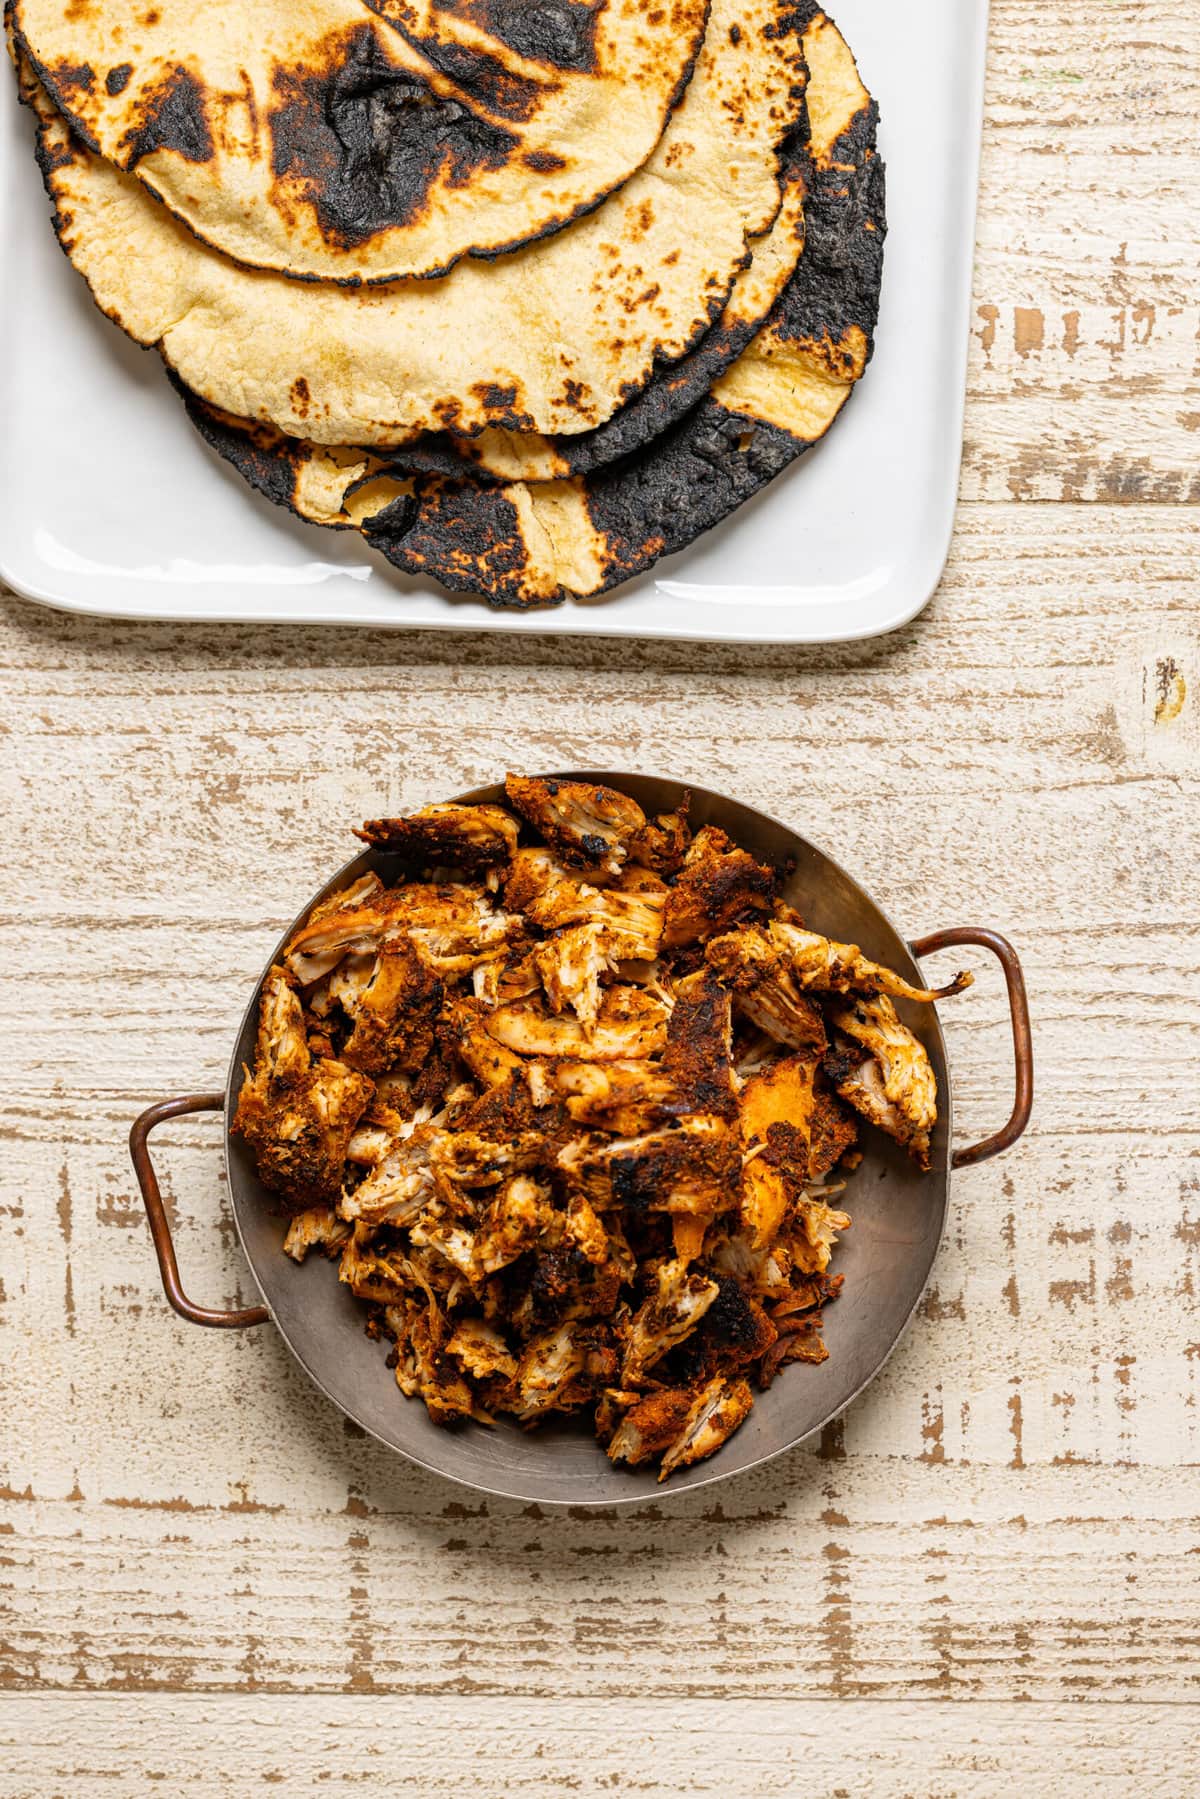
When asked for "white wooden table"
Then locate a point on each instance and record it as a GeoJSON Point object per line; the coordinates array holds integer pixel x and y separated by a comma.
{"type": "Point", "coordinates": [986, 1578]}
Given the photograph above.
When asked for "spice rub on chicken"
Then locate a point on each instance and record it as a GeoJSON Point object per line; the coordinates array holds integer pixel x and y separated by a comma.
{"type": "Point", "coordinates": [565, 1089]}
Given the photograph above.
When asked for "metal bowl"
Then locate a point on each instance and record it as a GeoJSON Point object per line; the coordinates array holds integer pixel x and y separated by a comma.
{"type": "Point", "coordinates": [886, 1257]}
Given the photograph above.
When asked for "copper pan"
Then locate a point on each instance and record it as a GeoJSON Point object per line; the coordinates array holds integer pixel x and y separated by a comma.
{"type": "Point", "coordinates": [887, 1257]}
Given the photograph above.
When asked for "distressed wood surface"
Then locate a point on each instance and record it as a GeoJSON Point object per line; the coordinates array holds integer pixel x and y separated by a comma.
{"type": "Point", "coordinates": [680, 1750]}
{"type": "Point", "coordinates": [989, 1570]}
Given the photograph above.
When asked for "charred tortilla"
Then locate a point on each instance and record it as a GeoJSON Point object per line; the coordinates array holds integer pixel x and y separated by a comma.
{"type": "Point", "coordinates": [328, 139]}
{"type": "Point", "coordinates": [841, 140]}
{"type": "Point", "coordinates": [525, 544]}
{"type": "Point", "coordinates": [552, 338]}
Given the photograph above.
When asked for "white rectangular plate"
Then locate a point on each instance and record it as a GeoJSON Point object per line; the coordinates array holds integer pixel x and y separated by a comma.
{"type": "Point", "coordinates": [111, 504]}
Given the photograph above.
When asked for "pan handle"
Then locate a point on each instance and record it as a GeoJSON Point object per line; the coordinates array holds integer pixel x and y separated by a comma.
{"type": "Point", "coordinates": [156, 1212]}
{"type": "Point", "coordinates": [1022, 1033]}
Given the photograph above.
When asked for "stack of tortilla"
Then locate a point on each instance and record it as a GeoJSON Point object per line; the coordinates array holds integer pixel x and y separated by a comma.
{"type": "Point", "coordinates": [528, 292]}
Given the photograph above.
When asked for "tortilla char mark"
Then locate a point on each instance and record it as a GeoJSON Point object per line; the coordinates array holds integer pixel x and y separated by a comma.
{"type": "Point", "coordinates": [558, 33]}
{"type": "Point", "coordinates": [260, 455]}
{"type": "Point", "coordinates": [484, 78]}
{"type": "Point", "coordinates": [67, 78]}
{"type": "Point", "coordinates": [364, 143]}
{"type": "Point", "coordinates": [834, 292]}
{"type": "Point", "coordinates": [173, 116]}
{"type": "Point", "coordinates": [455, 531]}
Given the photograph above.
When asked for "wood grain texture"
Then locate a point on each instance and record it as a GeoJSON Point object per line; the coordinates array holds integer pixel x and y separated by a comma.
{"type": "Point", "coordinates": [989, 1571]}
{"type": "Point", "coordinates": [678, 1750]}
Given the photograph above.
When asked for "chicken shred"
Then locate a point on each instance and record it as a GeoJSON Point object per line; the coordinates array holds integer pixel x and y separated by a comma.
{"type": "Point", "coordinates": [584, 822]}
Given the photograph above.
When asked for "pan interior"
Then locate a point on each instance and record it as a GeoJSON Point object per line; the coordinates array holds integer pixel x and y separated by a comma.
{"type": "Point", "coordinates": [886, 1257]}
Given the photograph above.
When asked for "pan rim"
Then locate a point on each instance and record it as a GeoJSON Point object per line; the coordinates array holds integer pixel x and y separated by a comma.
{"type": "Point", "coordinates": [705, 1474]}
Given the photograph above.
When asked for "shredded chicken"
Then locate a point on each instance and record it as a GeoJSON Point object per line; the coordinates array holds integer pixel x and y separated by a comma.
{"type": "Point", "coordinates": [775, 1111]}
{"type": "Point", "coordinates": [671, 1313]}
{"type": "Point", "coordinates": [716, 885]}
{"type": "Point", "coordinates": [662, 843]}
{"type": "Point", "coordinates": [585, 823]}
{"type": "Point", "coordinates": [765, 989]}
{"type": "Point", "coordinates": [553, 897]}
{"type": "Point", "coordinates": [470, 838]}
{"type": "Point", "coordinates": [297, 1113]}
{"type": "Point", "coordinates": [885, 1073]}
{"type": "Point", "coordinates": [568, 1093]}
{"type": "Point", "coordinates": [570, 965]}
{"type": "Point", "coordinates": [630, 1024]}
{"type": "Point", "coordinates": [715, 1413]}
{"type": "Point", "coordinates": [818, 965]}
{"type": "Point", "coordinates": [318, 1228]}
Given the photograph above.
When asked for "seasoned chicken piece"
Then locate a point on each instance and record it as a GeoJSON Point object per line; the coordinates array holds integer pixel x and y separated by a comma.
{"type": "Point", "coordinates": [351, 923]}
{"type": "Point", "coordinates": [716, 1412]}
{"type": "Point", "coordinates": [297, 1114]}
{"type": "Point", "coordinates": [637, 880]}
{"type": "Point", "coordinates": [512, 1224]}
{"type": "Point", "coordinates": [395, 1014]}
{"type": "Point", "coordinates": [633, 916]}
{"type": "Point", "coordinates": [281, 1048]}
{"type": "Point", "coordinates": [496, 983]}
{"type": "Point", "coordinates": [734, 1333]}
{"type": "Point", "coordinates": [485, 982]}
{"type": "Point", "coordinates": [650, 1426]}
{"type": "Point", "coordinates": [368, 1145]}
{"type": "Point", "coordinates": [717, 884]}
{"type": "Point", "coordinates": [630, 1024]}
{"type": "Point", "coordinates": [319, 1227]}
{"type": "Point", "coordinates": [625, 1097]}
{"type": "Point", "coordinates": [358, 893]}
{"type": "Point", "coordinates": [464, 1025]}
{"type": "Point", "coordinates": [894, 1086]}
{"type": "Point", "coordinates": [775, 1109]}
{"type": "Point", "coordinates": [691, 1174]}
{"type": "Point", "coordinates": [765, 989]}
{"type": "Point", "coordinates": [538, 879]}
{"type": "Point", "coordinates": [834, 1131]}
{"type": "Point", "coordinates": [555, 1361]}
{"type": "Point", "coordinates": [369, 1275]}
{"type": "Point", "coordinates": [424, 1366]}
{"type": "Point", "coordinates": [699, 1052]}
{"type": "Point", "coordinates": [468, 1159]}
{"type": "Point", "coordinates": [801, 1341]}
{"type": "Point", "coordinates": [812, 1243]}
{"type": "Point", "coordinates": [447, 1237]}
{"type": "Point", "coordinates": [462, 932]}
{"type": "Point", "coordinates": [692, 1168]}
{"type": "Point", "coordinates": [570, 965]}
{"type": "Point", "coordinates": [675, 1308]}
{"type": "Point", "coordinates": [393, 1094]}
{"type": "Point", "coordinates": [454, 927]}
{"type": "Point", "coordinates": [818, 965]}
{"type": "Point", "coordinates": [662, 843]}
{"type": "Point", "coordinates": [517, 978]}
{"type": "Point", "coordinates": [379, 1125]}
{"type": "Point", "coordinates": [553, 898]}
{"type": "Point", "coordinates": [585, 823]}
{"type": "Point", "coordinates": [585, 1229]}
{"type": "Point", "coordinates": [344, 985]}
{"type": "Point", "coordinates": [400, 1186]}
{"type": "Point", "coordinates": [473, 838]}
{"type": "Point", "coordinates": [481, 1350]}
{"type": "Point", "coordinates": [503, 1111]}
{"type": "Point", "coordinates": [804, 1294]}
{"type": "Point", "coordinates": [563, 1286]}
